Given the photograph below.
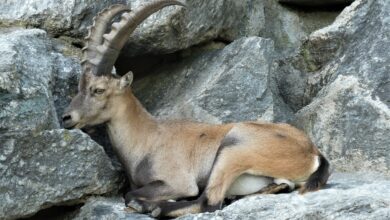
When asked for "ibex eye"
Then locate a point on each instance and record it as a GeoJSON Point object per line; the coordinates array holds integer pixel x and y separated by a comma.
{"type": "Point", "coordinates": [99, 91]}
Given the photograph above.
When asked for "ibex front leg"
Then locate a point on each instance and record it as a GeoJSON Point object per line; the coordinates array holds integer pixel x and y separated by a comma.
{"type": "Point", "coordinates": [148, 197]}
{"type": "Point", "coordinates": [144, 199]}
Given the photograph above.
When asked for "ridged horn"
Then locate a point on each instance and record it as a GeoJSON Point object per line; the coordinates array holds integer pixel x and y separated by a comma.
{"type": "Point", "coordinates": [102, 50]}
{"type": "Point", "coordinates": [95, 35]}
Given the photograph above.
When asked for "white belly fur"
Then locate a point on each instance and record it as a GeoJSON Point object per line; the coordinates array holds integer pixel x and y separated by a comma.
{"type": "Point", "coordinates": [247, 184]}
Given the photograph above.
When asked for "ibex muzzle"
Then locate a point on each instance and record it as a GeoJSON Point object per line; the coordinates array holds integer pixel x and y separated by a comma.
{"type": "Point", "coordinates": [180, 159]}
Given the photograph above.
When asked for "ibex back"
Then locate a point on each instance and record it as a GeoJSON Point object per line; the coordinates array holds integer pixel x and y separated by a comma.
{"type": "Point", "coordinates": [167, 160]}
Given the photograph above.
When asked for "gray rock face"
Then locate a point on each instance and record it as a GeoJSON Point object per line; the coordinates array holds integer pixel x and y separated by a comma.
{"type": "Point", "coordinates": [70, 17]}
{"type": "Point", "coordinates": [288, 27]}
{"type": "Point", "coordinates": [175, 28]}
{"type": "Point", "coordinates": [26, 68]}
{"type": "Point", "coordinates": [350, 116]}
{"type": "Point", "coordinates": [51, 167]}
{"type": "Point", "coordinates": [232, 84]}
{"type": "Point", "coordinates": [317, 2]}
{"type": "Point", "coordinates": [169, 30]}
{"type": "Point", "coordinates": [32, 75]}
{"type": "Point", "coordinates": [41, 168]}
{"type": "Point", "coordinates": [66, 78]}
{"type": "Point", "coordinates": [107, 209]}
{"type": "Point", "coordinates": [357, 196]}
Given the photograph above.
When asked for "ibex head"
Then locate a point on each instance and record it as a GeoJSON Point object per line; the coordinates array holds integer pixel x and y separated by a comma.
{"type": "Point", "coordinates": [98, 86]}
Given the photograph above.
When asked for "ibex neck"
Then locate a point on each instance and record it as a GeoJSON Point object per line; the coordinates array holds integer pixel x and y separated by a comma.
{"type": "Point", "coordinates": [129, 126]}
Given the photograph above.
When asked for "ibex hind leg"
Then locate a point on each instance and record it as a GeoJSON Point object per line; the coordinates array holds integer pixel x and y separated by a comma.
{"type": "Point", "coordinates": [230, 177]}
{"type": "Point", "coordinates": [227, 168]}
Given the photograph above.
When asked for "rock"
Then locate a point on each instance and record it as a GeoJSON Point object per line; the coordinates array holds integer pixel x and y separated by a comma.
{"type": "Point", "coordinates": [32, 75]}
{"type": "Point", "coordinates": [51, 168]}
{"type": "Point", "coordinates": [26, 73]}
{"type": "Point", "coordinates": [288, 27]}
{"type": "Point", "coordinates": [317, 3]}
{"type": "Point", "coordinates": [169, 30]}
{"type": "Point", "coordinates": [231, 84]}
{"type": "Point", "coordinates": [303, 75]}
{"type": "Point", "coordinates": [348, 196]}
{"type": "Point", "coordinates": [108, 208]}
{"type": "Point", "coordinates": [176, 28]}
{"type": "Point", "coordinates": [70, 17]}
{"type": "Point", "coordinates": [66, 80]}
{"type": "Point", "coordinates": [349, 118]}
{"type": "Point", "coordinates": [350, 124]}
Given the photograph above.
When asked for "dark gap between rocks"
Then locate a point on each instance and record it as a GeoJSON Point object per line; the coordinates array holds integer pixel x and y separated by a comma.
{"type": "Point", "coordinates": [56, 213]}
{"type": "Point", "coordinates": [144, 65]}
{"type": "Point", "coordinates": [336, 6]}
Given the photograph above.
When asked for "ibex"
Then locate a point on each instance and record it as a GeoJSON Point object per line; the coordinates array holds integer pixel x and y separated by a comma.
{"type": "Point", "coordinates": [173, 160]}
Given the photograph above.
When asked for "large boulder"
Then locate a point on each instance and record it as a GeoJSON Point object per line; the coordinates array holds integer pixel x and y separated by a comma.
{"type": "Point", "coordinates": [176, 28]}
{"type": "Point", "coordinates": [231, 84]}
{"type": "Point", "coordinates": [289, 26]}
{"type": "Point", "coordinates": [41, 167]}
{"type": "Point", "coordinates": [349, 116]}
{"type": "Point", "coordinates": [348, 196]}
{"type": "Point", "coordinates": [171, 29]}
{"type": "Point", "coordinates": [70, 17]}
{"type": "Point", "coordinates": [51, 168]}
{"type": "Point", "coordinates": [33, 74]}
{"type": "Point", "coordinates": [26, 73]}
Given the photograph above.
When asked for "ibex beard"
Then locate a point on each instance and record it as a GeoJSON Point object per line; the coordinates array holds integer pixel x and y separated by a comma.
{"type": "Point", "coordinates": [176, 160]}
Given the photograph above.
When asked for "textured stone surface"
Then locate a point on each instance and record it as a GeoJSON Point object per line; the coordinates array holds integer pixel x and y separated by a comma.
{"type": "Point", "coordinates": [66, 78]}
{"type": "Point", "coordinates": [350, 125]}
{"type": "Point", "coordinates": [348, 196]}
{"type": "Point", "coordinates": [350, 116]}
{"type": "Point", "coordinates": [70, 17]}
{"type": "Point", "coordinates": [171, 29]}
{"type": "Point", "coordinates": [288, 26]}
{"type": "Point", "coordinates": [107, 209]}
{"type": "Point", "coordinates": [303, 75]}
{"type": "Point", "coordinates": [175, 28]}
{"type": "Point", "coordinates": [33, 75]}
{"type": "Point", "coordinates": [26, 68]}
{"type": "Point", "coordinates": [51, 168]}
{"type": "Point", "coordinates": [43, 168]}
{"type": "Point", "coordinates": [232, 84]}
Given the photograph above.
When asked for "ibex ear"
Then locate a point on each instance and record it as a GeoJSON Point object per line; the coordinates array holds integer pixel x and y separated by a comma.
{"type": "Point", "coordinates": [126, 80]}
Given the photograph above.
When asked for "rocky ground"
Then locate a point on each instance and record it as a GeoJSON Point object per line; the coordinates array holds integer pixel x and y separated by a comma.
{"type": "Point", "coordinates": [321, 65]}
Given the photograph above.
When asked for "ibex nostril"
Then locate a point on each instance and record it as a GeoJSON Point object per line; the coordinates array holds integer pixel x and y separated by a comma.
{"type": "Point", "coordinates": [66, 118]}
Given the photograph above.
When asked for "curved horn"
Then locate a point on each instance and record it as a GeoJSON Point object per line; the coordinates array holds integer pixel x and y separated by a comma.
{"type": "Point", "coordinates": [104, 54]}
{"type": "Point", "coordinates": [95, 34]}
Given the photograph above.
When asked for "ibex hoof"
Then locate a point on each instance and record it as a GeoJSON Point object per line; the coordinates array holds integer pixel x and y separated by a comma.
{"type": "Point", "coordinates": [156, 212]}
{"type": "Point", "coordinates": [134, 204]}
